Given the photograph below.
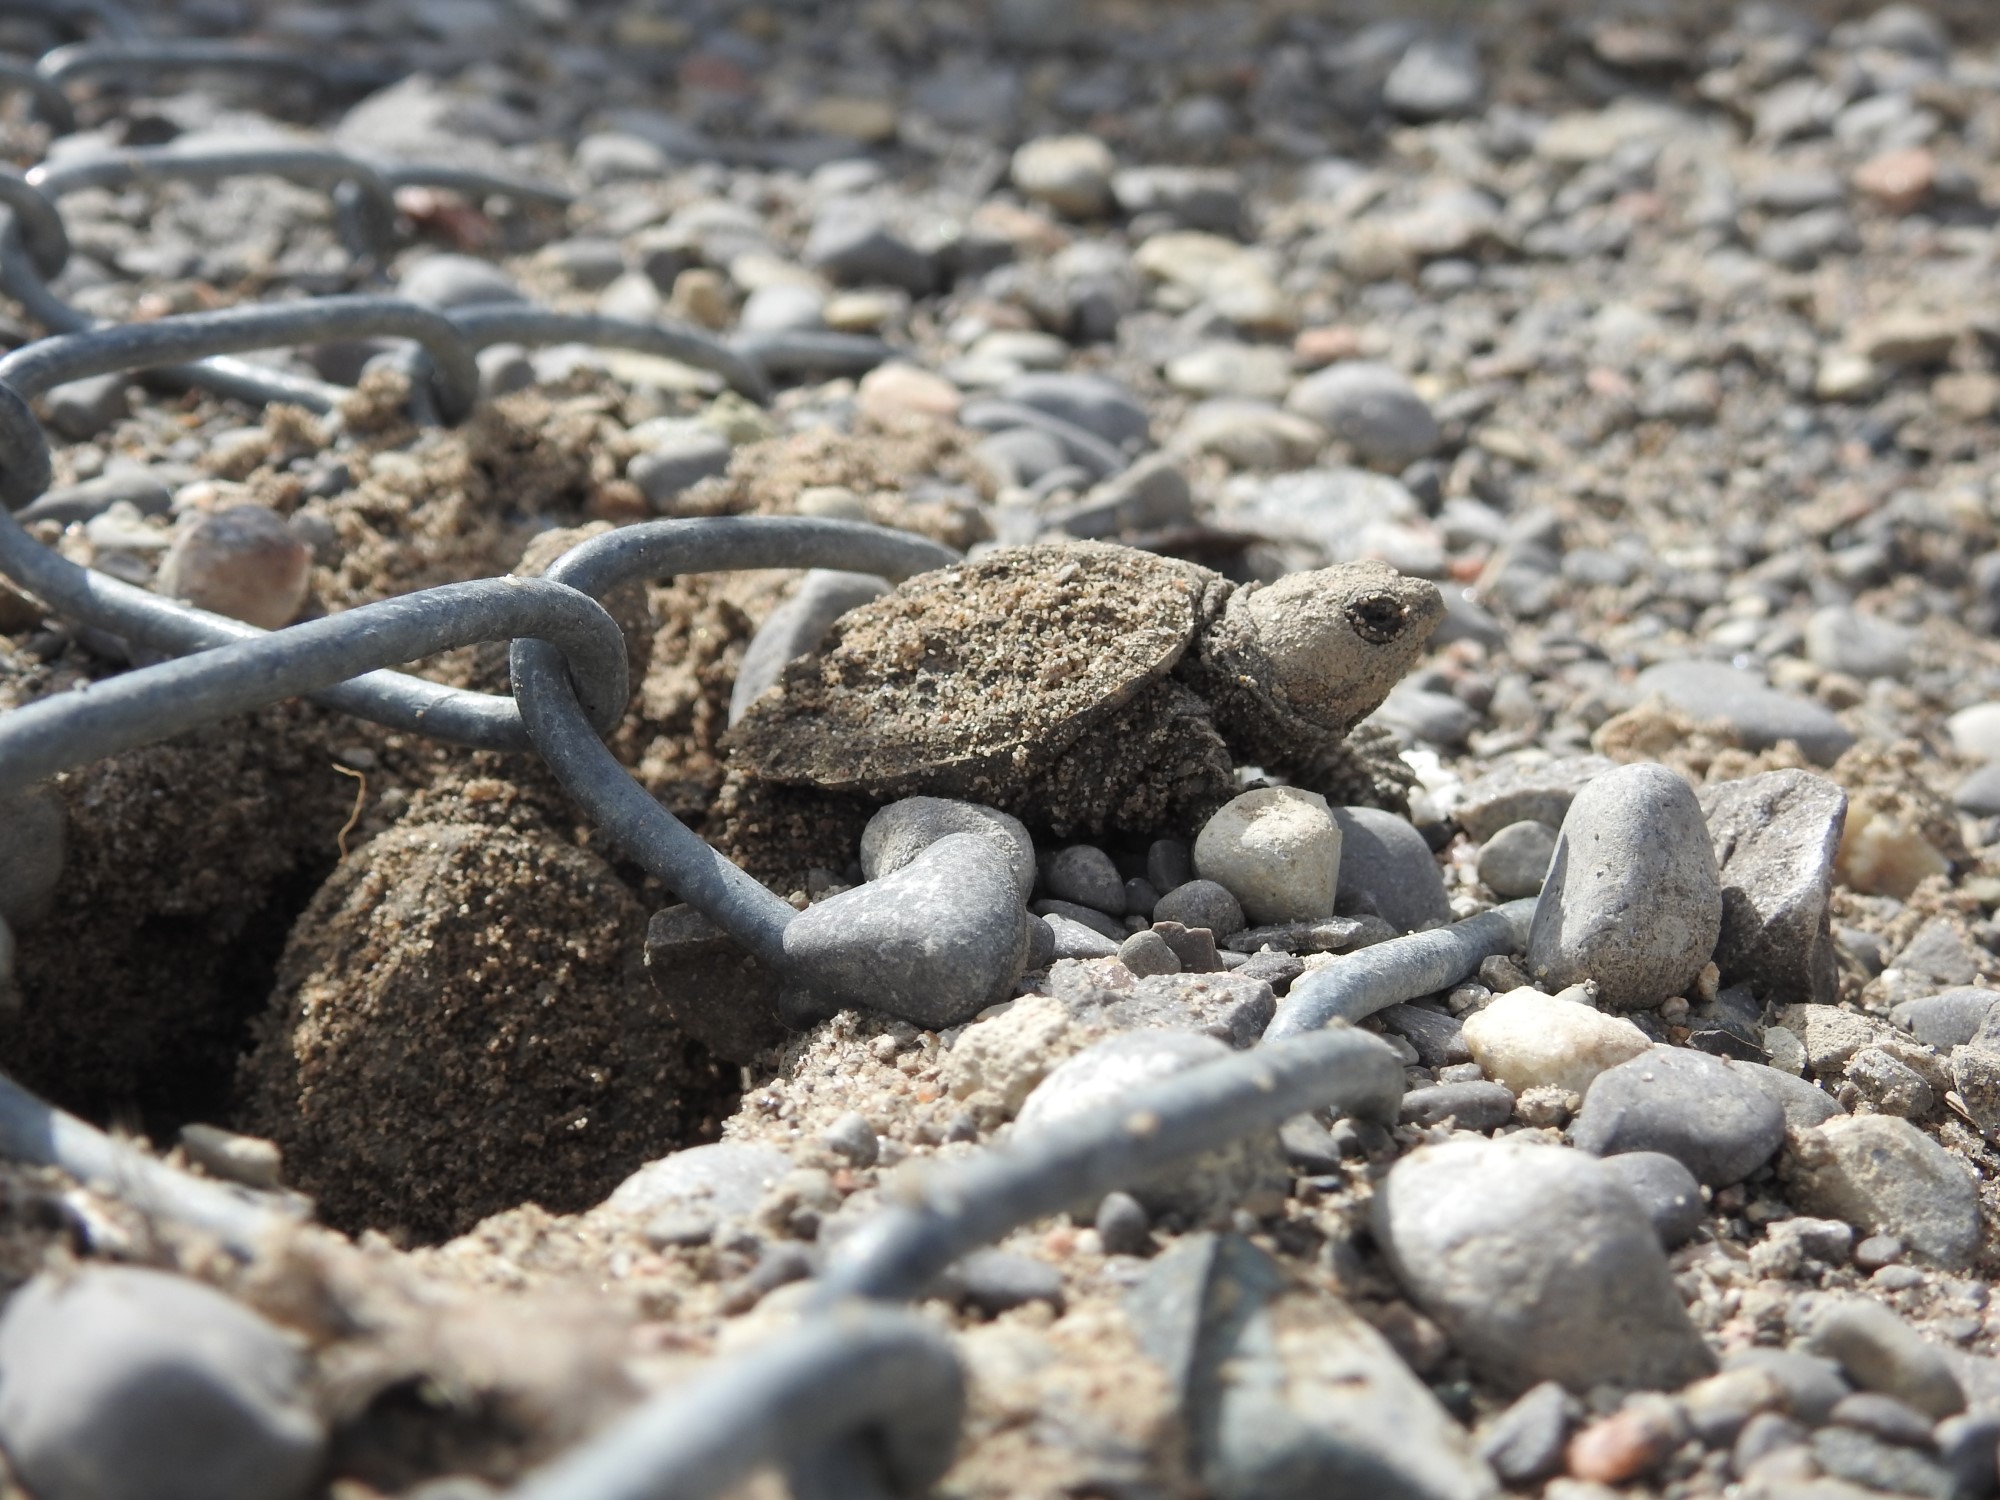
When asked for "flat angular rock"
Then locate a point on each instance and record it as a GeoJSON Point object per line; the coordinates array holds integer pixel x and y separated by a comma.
{"type": "Point", "coordinates": [119, 1383]}
{"type": "Point", "coordinates": [1633, 900]}
{"type": "Point", "coordinates": [1878, 1351]}
{"type": "Point", "coordinates": [1775, 840]}
{"type": "Point", "coordinates": [1698, 1109]}
{"type": "Point", "coordinates": [1886, 1176]}
{"type": "Point", "coordinates": [1466, 1228]}
{"type": "Point", "coordinates": [714, 988]}
{"type": "Point", "coordinates": [1292, 1397]}
{"type": "Point", "coordinates": [726, 1180]}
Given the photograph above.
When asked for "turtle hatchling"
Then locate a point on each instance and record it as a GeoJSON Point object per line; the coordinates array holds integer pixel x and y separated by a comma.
{"type": "Point", "coordinates": [1084, 687]}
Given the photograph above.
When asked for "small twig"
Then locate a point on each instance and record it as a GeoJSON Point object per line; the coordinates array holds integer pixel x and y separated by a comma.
{"type": "Point", "coordinates": [360, 792]}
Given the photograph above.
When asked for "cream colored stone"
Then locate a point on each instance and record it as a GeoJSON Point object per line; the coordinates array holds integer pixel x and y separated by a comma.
{"type": "Point", "coordinates": [1526, 1039]}
{"type": "Point", "coordinates": [1277, 851]}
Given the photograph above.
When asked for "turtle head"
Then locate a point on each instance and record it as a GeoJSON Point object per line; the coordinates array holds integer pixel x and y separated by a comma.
{"type": "Point", "coordinates": [1329, 644]}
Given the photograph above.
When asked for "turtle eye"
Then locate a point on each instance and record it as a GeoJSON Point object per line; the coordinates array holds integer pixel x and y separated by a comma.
{"type": "Point", "coordinates": [1378, 618]}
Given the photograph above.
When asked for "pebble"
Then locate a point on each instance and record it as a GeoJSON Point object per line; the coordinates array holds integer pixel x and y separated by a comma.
{"type": "Point", "coordinates": [1698, 1109]}
{"type": "Point", "coordinates": [1372, 408]}
{"type": "Point", "coordinates": [853, 1136]}
{"type": "Point", "coordinates": [1473, 1106]}
{"type": "Point", "coordinates": [1169, 865]}
{"type": "Point", "coordinates": [850, 244]}
{"type": "Point", "coordinates": [901, 831]}
{"type": "Point", "coordinates": [1194, 947]}
{"type": "Point", "coordinates": [1123, 1225]}
{"type": "Point", "coordinates": [1437, 78]}
{"type": "Point", "coordinates": [1760, 715]}
{"type": "Point", "coordinates": [725, 1180]}
{"type": "Point", "coordinates": [1776, 836]}
{"type": "Point", "coordinates": [1813, 1385]}
{"type": "Point", "coordinates": [1146, 953]}
{"type": "Point", "coordinates": [1103, 407]}
{"type": "Point", "coordinates": [1804, 1103]}
{"type": "Point", "coordinates": [243, 562]}
{"type": "Point", "coordinates": [1515, 861]}
{"type": "Point", "coordinates": [1525, 1039]}
{"type": "Point", "coordinates": [457, 281]}
{"type": "Point", "coordinates": [122, 1383]}
{"type": "Point", "coordinates": [1070, 173]}
{"type": "Point", "coordinates": [1975, 731]}
{"type": "Point", "coordinates": [1865, 1460]}
{"type": "Point", "coordinates": [1465, 1228]}
{"type": "Point", "coordinates": [1532, 791]}
{"type": "Point", "coordinates": [1885, 1417]}
{"type": "Point", "coordinates": [1627, 1444]}
{"type": "Point", "coordinates": [1437, 1036]}
{"type": "Point", "coordinates": [1213, 1184]}
{"type": "Point", "coordinates": [673, 464]}
{"type": "Point", "coordinates": [1386, 868]}
{"type": "Point", "coordinates": [1878, 1351]}
{"type": "Point", "coordinates": [1277, 850]}
{"type": "Point", "coordinates": [1524, 1444]}
{"type": "Point", "coordinates": [795, 627]}
{"type": "Point", "coordinates": [81, 409]}
{"type": "Point", "coordinates": [1885, 1176]}
{"type": "Point", "coordinates": [934, 942]}
{"type": "Point", "coordinates": [1840, 639]}
{"type": "Point", "coordinates": [1085, 874]}
{"type": "Point", "coordinates": [1666, 1190]}
{"type": "Point", "coordinates": [1979, 793]}
{"type": "Point", "coordinates": [1632, 843]}
{"type": "Point", "coordinates": [1088, 917]}
{"type": "Point", "coordinates": [998, 1281]}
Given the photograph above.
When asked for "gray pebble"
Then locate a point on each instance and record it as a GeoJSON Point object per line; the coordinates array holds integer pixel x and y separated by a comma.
{"type": "Point", "coordinates": [1438, 1037]}
{"type": "Point", "coordinates": [1514, 861]}
{"type": "Point", "coordinates": [1140, 898]}
{"type": "Point", "coordinates": [1775, 839]}
{"type": "Point", "coordinates": [1760, 715]}
{"type": "Point", "coordinates": [1042, 944]}
{"type": "Point", "coordinates": [1201, 903]}
{"type": "Point", "coordinates": [1371, 407]}
{"type": "Point", "coordinates": [1387, 868]}
{"type": "Point", "coordinates": [1877, 1251]}
{"type": "Point", "coordinates": [457, 281]}
{"type": "Point", "coordinates": [1098, 404]}
{"type": "Point", "coordinates": [1071, 939]}
{"type": "Point", "coordinates": [1310, 1146]}
{"type": "Point", "coordinates": [935, 942]}
{"type": "Point", "coordinates": [1276, 969]}
{"type": "Point", "coordinates": [1465, 1227]}
{"type": "Point", "coordinates": [1432, 717]}
{"type": "Point", "coordinates": [727, 1180]}
{"type": "Point", "coordinates": [901, 831]}
{"type": "Point", "coordinates": [1084, 873]}
{"type": "Point", "coordinates": [120, 1383]}
{"type": "Point", "coordinates": [1967, 1445]}
{"type": "Point", "coordinates": [1842, 639]}
{"type": "Point", "coordinates": [1805, 1104]}
{"type": "Point", "coordinates": [1124, 1225]}
{"type": "Point", "coordinates": [850, 243]}
{"type": "Point", "coordinates": [1208, 198]}
{"type": "Point", "coordinates": [1813, 1384]}
{"type": "Point", "coordinates": [1085, 916]}
{"type": "Point", "coordinates": [1945, 1020]}
{"type": "Point", "coordinates": [1878, 1351]}
{"type": "Point", "coordinates": [997, 1281]}
{"type": "Point", "coordinates": [1524, 1444]}
{"type": "Point", "coordinates": [663, 472]}
{"type": "Point", "coordinates": [1537, 792]}
{"type": "Point", "coordinates": [1146, 953]}
{"type": "Point", "coordinates": [782, 307]}
{"type": "Point", "coordinates": [1867, 1460]}
{"type": "Point", "coordinates": [81, 409]}
{"type": "Point", "coordinates": [1438, 77]}
{"type": "Point", "coordinates": [67, 503]}
{"type": "Point", "coordinates": [1886, 1417]}
{"type": "Point", "coordinates": [1151, 495]}
{"type": "Point", "coordinates": [1666, 1190]}
{"type": "Point", "coordinates": [1633, 900]}
{"type": "Point", "coordinates": [1698, 1109]}
{"type": "Point", "coordinates": [796, 626]}
{"type": "Point", "coordinates": [1765, 1434]}
{"type": "Point", "coordinates": [1474, 1106]}
{"type": "Point", "coordinates": [1979, 793]}
{"type": "Point", "coordinates": [503, 370]}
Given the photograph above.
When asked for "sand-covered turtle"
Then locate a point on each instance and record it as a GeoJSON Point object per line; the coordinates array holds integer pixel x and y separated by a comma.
{"type": "Point", "coordinates": [1085, 687]}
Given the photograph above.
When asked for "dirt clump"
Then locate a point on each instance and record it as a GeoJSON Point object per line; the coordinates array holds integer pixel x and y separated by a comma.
{"type": "Point", "coordinates": [462, 1023]}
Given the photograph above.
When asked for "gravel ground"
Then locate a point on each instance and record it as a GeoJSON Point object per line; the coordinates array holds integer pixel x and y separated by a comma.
{"type": "Point", "coordinates": [1662, 340]}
